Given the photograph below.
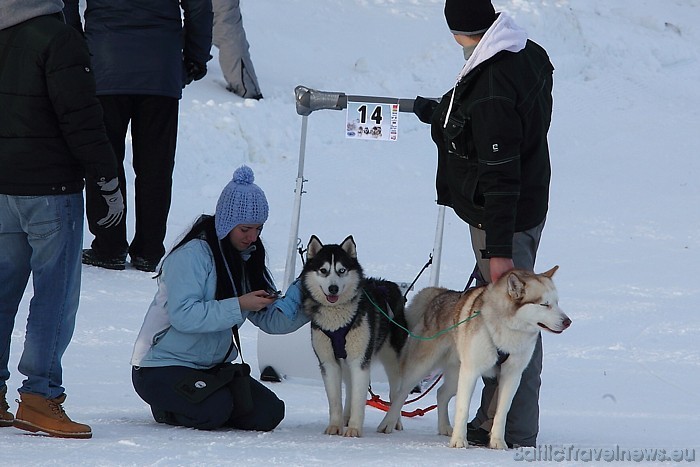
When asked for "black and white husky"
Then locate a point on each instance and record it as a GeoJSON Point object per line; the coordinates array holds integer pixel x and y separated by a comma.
{"type": "Point", "coordinates": [348, 329]}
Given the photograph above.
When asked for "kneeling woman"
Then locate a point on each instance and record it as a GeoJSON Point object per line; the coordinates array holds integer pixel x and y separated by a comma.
{"type": "Point", "coordinates": [212, 281]}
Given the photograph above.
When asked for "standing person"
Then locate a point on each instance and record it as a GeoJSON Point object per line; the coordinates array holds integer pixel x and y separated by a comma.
{"type": "Point", "coordinates": [234, 53]}
{"type": "Point", "coordinates": [143, 56]}
{"type": "Point", "coordinates": [51, 134]}
{"type": "Point", "coordinates": [493, 169]}
{"type": "Point", "coordinates": [214, 279]}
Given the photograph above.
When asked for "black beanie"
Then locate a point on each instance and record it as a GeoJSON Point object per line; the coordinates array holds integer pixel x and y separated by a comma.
{"type": "Point", "coordinates": [469, 17]}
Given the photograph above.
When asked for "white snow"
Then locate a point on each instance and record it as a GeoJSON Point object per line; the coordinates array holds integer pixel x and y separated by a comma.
{"type": "Point", "coordinates": [623, 226]}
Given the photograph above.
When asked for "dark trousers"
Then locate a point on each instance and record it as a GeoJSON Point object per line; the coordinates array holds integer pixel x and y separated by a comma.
{"type": "Point", "coordinates": [522, 423]}
{"type": "Point", "coordinates": [153, 122]}
{"type": "Point", "coordinates": [156, 386]}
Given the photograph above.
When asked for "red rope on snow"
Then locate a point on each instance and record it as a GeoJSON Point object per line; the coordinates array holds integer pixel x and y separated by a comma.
{"type": "Point", "coordinates": [377, 402]}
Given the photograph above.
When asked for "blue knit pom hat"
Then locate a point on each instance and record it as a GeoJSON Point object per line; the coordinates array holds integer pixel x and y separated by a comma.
{"type": "Point", "coordinates": [241, 202]}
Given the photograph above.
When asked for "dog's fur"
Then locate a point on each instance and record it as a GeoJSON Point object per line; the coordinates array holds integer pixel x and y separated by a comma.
{"type": "Point", "coordinates": [506, 317]}
{"type": "Point", "coordinates": [336, 295]}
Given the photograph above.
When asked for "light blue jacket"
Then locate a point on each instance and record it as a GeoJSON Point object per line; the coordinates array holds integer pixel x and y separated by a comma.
{"type": "Point", "coordinates": [186, 326]}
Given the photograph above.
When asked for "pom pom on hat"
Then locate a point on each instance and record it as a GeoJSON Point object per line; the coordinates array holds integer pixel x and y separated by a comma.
{"type": "Point", "coordinates": [469, 17]}
{"type": "Point", "coordinates": [240, 202]}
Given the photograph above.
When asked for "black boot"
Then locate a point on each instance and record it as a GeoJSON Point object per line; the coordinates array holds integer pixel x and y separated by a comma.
{"type": "Point", "coordinates": [91, 258]}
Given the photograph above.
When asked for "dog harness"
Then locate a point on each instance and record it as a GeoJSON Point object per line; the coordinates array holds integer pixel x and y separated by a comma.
{"type": "Point", "coordinates": [337, 338]}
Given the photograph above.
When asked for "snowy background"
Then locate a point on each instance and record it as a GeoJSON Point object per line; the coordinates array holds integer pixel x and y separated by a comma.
{"type": "Point", "coordinates": [623, 227]}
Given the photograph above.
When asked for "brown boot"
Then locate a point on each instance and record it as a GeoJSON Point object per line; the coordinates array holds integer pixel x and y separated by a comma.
{"type": "Point", "coordinates": [6, 416]}
{"type": "Point", "coordinates": [36, 413]}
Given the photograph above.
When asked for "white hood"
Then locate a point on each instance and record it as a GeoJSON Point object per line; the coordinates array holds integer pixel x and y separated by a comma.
{"type": "Point", "coordinates": [503, 34]}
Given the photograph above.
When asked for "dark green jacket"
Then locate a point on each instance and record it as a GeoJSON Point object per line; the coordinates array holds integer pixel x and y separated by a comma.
{"type": "Point", "coordinates": [51, 130]}
{"type": "Point", "coordinates": [493, 156]}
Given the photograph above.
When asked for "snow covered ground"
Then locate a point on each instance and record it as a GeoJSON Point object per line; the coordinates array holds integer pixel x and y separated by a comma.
{"type": "Point", "coordinates": [623, 226]}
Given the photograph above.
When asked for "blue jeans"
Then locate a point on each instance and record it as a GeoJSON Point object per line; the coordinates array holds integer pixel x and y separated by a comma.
{"type": "Point", "coordinates": [41, 235]}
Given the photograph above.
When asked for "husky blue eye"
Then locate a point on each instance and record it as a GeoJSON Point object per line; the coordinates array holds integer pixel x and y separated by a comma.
{"type": "Point", "coordinates": [342, 271]}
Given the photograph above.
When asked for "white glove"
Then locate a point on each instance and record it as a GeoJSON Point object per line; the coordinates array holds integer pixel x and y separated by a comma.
{"type": "Point", "coordinates": [115, 203]}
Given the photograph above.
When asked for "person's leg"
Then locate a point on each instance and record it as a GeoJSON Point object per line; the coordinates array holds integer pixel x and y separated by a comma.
{"type": "Point", "coordinates": [156, 386]}
{"type": "Point", "coordinates": [234, 54]}
{"type": "Point", "coordinates": [154, 132]}
{"type": "Point", "coordinates": [267, 413]}
{"type": "Point", "coordinates": [15, 254]}
{"type": "Point", "coordinates": [110, 243]}
{"type": "Point", "coordinates": [54, 227]}
{"type": "Point", "coordinates": [522, 424]}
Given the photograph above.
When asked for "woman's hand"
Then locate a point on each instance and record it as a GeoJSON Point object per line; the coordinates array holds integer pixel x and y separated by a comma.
{"type": "Point", "coordinates": [256, 301]}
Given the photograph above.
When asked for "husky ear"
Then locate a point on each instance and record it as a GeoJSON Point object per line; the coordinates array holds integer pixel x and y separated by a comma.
{"type": "Point", "coordinates": [349, 246]}
{"type": "Point", "coordinates": [551, 272]}
{"type": "Point", "coordinates": [516, 287]}
{"type": "Point", "coordinates": [313, 248]}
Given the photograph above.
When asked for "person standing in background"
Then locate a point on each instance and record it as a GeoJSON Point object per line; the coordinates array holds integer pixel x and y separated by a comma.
{"type": "Point", "coordinates": [51, 140]}
{"type": "Point", "coordinates": [143, 54]}
{"type": "Point", "coordinates": [493, 170]}
{"type": "Point", "coordinates": [234, 54]}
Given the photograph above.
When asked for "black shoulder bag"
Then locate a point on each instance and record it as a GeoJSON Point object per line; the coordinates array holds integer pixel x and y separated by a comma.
{"type": "Point", "coordinates": [197, 385]}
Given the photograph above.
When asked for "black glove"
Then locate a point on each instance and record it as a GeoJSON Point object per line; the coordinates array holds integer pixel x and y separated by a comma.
{"type": "Point", "coordinates": [424, 108]}
{"type": "Point", "coordinates": [194, 71]}
{"type": "Point", "coordinates": [115, 202]}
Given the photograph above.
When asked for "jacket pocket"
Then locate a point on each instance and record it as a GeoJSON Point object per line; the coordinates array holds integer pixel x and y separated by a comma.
{"type": "Point", "coordinates": [458, 140]}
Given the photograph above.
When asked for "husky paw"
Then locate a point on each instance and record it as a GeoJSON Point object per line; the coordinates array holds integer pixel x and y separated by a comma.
{"type": "Point", "coordinates": [387, 427]}
{"type": "Point", "coordinates": [497, 444]}
{"type": "Point", "coordinates": [353, 433]}
{"type": "Point", "coordinates": [457, 442]}
{"type": "Point", "coordinates": [384, 428]}
{"type": "Point", "coordinates": [445, 430]}
{"type": "Point", "coordinates": [333, 430]}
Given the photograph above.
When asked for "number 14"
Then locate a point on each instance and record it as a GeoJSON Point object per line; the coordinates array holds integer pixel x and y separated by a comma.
{"type": "Point", "coordinates": [376, 114]}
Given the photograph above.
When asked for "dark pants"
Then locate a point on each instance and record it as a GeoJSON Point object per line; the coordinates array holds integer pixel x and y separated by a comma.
{"type": "Point", "coordinates": [522, 423]}
{"type": "Point", "coordinates": [153, 122]}
{"type": "Point", "coordinates": [156, 386]}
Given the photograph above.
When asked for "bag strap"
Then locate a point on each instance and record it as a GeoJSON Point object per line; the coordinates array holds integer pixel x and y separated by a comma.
{"type": "Point", "coordinates": [224, 288]}
{"type": "Point", "coordinates": [234, 331]}
{"type": "Point", "coordinates": [238, 342]}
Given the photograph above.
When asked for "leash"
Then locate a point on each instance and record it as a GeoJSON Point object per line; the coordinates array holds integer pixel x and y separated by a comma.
{"type": "Point", "coordinates": [375, 401]}
{"type": "Point", "coordinates": [378, 403]}
{"type": "Point", "coordinates": [301, 251]}
{"type": "Point", "coordinates": [415, 336]}
{"type": "Point", "coordinates": [425, 266]}
{"type": "Point", "coordinates": [475, 276]}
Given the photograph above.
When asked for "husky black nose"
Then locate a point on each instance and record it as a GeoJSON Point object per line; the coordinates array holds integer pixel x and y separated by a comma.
{"type": "Point", "coordinates": [566, 323]}
{"type": "Point", "coordinates": [333, 290]}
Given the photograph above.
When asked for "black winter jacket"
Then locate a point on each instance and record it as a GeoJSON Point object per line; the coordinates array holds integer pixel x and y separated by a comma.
{"type": "Point", "coordinates": [493, 156]}
{"type": "Point", "coordinates": [51, 130]}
